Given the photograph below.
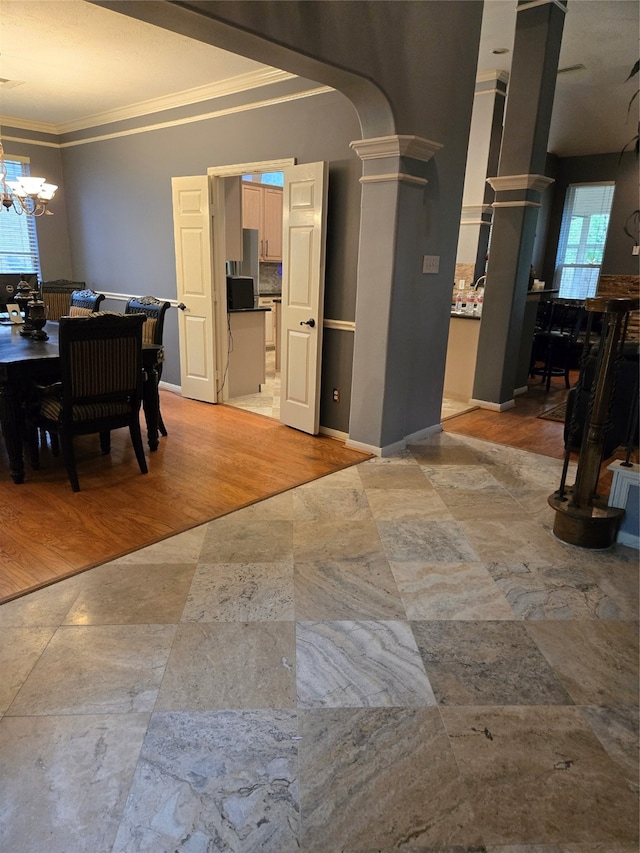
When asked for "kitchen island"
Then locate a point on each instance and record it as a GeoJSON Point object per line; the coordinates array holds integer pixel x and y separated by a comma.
{"type": "Point", "coordinates": [462, 351]}
{"type": "Point", "coordinates": [246, 372]}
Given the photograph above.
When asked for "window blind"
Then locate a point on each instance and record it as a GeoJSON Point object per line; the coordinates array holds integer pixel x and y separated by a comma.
{"type": "Point", "coordinates": [583, 236]}
{"type": "Point", "coordinates": [18, 237]}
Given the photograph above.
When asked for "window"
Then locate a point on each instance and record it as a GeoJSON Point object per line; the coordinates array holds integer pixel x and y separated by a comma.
{"type": "Point", "coordinates": [275, 178]}
{"type": "Point", "coordinates": [583, 235]}
{"type": "Point", "coordinates": [18, 238]}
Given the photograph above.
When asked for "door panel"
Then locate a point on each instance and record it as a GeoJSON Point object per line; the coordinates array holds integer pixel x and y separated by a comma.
{"type": "Point", "coordinates": [303, 259]}
{"type": "Point", "coordinates": [194, 263]}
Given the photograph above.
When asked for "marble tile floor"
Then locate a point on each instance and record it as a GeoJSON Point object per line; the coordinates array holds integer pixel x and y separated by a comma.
{"type": "Point", "coordinates": [267, 400]}
{"type": "Point", "coordinates": [398, 656]}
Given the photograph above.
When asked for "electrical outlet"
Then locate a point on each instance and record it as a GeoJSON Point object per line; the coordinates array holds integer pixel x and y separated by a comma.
{"type": "Point", "coordinates": [431, 263]}
{"type": "Point", "coordinates": [635, 250]}
{"type": "Point", "coordinates": [336, 395]}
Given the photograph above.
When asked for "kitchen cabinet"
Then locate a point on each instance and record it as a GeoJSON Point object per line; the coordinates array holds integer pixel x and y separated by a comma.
{"type": "Point", "coordinates": [269, 320]}
{"type": "Point", "coordinates": [262, 210]}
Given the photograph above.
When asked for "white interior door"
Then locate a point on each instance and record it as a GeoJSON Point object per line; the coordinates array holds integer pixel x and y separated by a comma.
{"type": "Point", "coordinates": [303, 260]}
{"type": "Point", "coordinates": [193, 236]}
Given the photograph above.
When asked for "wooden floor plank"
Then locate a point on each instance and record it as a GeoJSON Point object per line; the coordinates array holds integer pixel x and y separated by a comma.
{"type": "Point", "coordinates": [215, 460]}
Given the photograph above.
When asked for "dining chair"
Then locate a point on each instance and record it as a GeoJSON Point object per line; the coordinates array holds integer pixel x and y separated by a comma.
{"type": "Point", "coordinates": [84, 302]}
{"type": "Point", "coordinates": [56, 295]}
{"type": "Point", "coordinates": [154, 309]}
{"type": "Point", "coordinates": [100, 387]}
{"type": "Point", "coordinates": [553, 345]}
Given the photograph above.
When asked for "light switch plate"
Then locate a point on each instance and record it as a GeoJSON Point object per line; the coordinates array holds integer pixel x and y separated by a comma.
{"type": "Point", "coordinates": [431, 264]}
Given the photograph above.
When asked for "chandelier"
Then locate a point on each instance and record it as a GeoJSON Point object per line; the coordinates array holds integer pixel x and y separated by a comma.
{"type": "Point", "coordinates": [25, 194]}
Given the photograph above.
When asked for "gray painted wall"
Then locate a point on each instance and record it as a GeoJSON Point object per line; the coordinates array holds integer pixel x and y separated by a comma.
{"type": "Point", "coordinates": [118, 197]}
{"type": "Point", "coordinates": [618, 259]}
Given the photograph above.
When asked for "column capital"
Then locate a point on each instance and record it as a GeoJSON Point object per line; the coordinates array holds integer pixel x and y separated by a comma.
{"type": "Point", "coordinates": [379, 147]}
{"type": "Point", "coordinates": [519, 182]}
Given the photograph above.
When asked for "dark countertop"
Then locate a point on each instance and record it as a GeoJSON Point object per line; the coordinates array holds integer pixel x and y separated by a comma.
{"type": "Point", "coordinates": [245, 310]}
{"type": "Point", "coordinates": [455, 316]}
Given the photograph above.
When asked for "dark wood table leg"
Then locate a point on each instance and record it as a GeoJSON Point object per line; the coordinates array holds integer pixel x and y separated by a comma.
{"type": "Point", "coordinates": [11, 421]}
{"type": "Point", "coordinates": [151, 406]}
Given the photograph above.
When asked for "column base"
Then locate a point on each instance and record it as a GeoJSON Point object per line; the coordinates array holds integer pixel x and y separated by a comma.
{"type": "Point", "coordinates": [593, 526]}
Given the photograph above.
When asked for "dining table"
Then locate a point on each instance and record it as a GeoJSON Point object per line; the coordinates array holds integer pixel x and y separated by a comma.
{"type": "Point", "coordinates": [25, 359]}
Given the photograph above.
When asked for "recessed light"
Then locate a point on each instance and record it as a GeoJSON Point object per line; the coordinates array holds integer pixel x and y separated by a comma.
{"type": "Point", "coordinates": [500, 50]}
{"type": "Point", "coordinates": [568, 68]}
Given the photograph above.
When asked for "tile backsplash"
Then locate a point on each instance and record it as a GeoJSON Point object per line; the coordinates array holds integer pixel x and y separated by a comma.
{"type": "Point", "coordinates": [270, 278]}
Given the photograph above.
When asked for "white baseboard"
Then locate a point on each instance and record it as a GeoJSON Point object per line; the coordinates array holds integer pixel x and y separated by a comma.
{"type": "Point", "coordinates": [397, 446]}
{"type": "Point", "coordinates": [166, 386]}
{"type": "Point", "coordinates": [493, 407]}
{"type": "Point", "coordinates": [630, 539]}
{"type": "Point", "coordinates": [334, 433]}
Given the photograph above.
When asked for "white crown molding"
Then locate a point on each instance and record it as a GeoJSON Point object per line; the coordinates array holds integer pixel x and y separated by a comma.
{"type": "Point", "coordinates": [393, 176]}
{"type": "Point", "coordinates": [232, 86]}
{"type": "Point", "coordinates": [519, 182]}
{"type": "Point", "coordinates": [379, 147]}
{"type": "Point", "coordinates": [283, 99]}
{"type": "Point", "coordinates": [25, 124]}
{"type": "Point", "coordinates": [25, 141]}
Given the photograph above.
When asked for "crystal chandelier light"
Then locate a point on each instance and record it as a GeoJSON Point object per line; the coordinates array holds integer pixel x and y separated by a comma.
{"type": "Point", "coordinates": [25, 194]}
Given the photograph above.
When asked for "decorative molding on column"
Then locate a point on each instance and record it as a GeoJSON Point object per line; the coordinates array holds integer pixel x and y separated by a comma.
{"type": "Point", "coordinates": [395, 146]}
{"type": "Point", "coordinates": [393, 176]}
{"type": "Point", "coordinates": [522, 203]}
{"type": "Point", "coordinates": [339, 325]}
{"type": "Point", "coordinates": [530, 4]}
{"type": "Point", "coordinates": [499, 78]}
{"type": "Point", "coordinates": [519, 182]}
{"type": "Point", "coordinates": [472, 214]}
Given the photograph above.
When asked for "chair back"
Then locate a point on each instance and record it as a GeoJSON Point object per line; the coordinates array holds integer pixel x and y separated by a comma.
{"type": "Point", "coordinates": [84, 302]}
{"type": "Point", "coordinates": [100, 361]}
{"type": "Point", "coordinates": [154, 309]}
{"type": "Point", "coordinates": [56, 296]}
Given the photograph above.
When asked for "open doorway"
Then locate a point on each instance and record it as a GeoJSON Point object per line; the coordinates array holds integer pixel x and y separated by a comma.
{"type": "Point", "coordinates": [262, 223]}
{"type": "Point", "coordinates": [303, 227]}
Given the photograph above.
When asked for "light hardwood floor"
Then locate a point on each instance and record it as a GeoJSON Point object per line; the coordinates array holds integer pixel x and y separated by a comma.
{"type": "Point", "coordinates": [215, 460]}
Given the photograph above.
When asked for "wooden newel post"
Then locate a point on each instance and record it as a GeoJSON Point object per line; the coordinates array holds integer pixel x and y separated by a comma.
{"type": "Point", "coordinates": [582, 516]}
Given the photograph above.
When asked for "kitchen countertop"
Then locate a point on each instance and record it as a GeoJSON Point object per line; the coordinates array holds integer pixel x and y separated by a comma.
{"type": "Point", "coordinates": [245, 310]}
{"type": "Point", "coordinates": [455, 315]}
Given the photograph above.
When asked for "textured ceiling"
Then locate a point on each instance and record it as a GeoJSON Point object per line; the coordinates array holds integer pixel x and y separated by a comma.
{"type": "Point", "coordinates": [68, 60]}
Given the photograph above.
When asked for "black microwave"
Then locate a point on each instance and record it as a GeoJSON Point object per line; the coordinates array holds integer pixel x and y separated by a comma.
{"type": "Point", "coordinates": [239, 292]}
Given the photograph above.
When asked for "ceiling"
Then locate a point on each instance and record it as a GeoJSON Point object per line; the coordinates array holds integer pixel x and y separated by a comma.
{"type": "Point", "coordinates": [68, 62]}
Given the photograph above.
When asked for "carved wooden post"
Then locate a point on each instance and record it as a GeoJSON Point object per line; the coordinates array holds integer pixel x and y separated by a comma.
{"type": "Point", "coordinates": [582, 516]}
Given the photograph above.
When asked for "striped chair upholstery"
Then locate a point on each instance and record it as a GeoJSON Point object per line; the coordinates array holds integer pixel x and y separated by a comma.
{"type": "Point", "coordinates": [56, 296]}
{"type": "Point", "coordinates": [101, 384]}
{"type": "Point", "coordinates": [84, 302]}
{"type": "Point", "coordinates": [154, 310]}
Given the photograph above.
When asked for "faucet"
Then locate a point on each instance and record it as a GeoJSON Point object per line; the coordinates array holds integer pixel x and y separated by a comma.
{"type": "Point", "coordinates": [482, 279]}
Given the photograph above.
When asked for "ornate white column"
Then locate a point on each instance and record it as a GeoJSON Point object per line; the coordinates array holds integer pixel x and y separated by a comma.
{"type": "Point", "coordinates": [388, 402]}
{"type": "Point", "coordinates": [539, 25]}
